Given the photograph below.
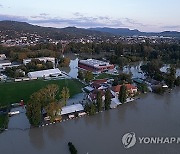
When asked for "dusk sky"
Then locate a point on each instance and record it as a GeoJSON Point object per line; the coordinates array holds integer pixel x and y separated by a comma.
{"type": "Point", "coordinates": [152, 15]}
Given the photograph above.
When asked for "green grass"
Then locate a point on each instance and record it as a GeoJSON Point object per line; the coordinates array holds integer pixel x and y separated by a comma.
{"type": "Point", "coordinates": [104, 76]}
{"type": "Point", "coordinates": [14, 92]}
{"type": "Point", "coordinates": [3, 122]}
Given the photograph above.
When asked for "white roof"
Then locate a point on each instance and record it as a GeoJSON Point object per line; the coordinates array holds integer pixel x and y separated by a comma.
{"type": "Point", "coordinates": [44, 73]}
{"type": "Point", "coordinates": [72, 109]}
{"type": "Point", "coordinates": [94, 62]}
{"type": "Point", "coordinates": [89, 88]}
{"type": "Point", "coordinates": [40, 58]}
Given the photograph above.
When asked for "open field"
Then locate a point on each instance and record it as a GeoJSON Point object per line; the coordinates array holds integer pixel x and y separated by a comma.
{"type": "Point", "coordinates": [104, 76]}
{"type": "Point", "coordinates": [14, 92]}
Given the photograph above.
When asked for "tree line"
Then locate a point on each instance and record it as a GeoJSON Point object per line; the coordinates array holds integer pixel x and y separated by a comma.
{"type": "Point", "coordinates": [47, 99]}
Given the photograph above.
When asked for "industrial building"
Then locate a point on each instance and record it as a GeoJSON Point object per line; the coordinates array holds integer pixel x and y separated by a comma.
{"type": "Point", "coordinates": [45, 73]}
{"type": "Point", "coordinates": [44, 59]}
{"type": "Point", "coordinates": [95, 66]}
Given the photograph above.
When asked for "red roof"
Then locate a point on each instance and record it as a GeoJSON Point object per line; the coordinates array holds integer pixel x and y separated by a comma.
{"type": "Point", "coordinates": [100, 81]}
{"type": "Point", "coordinates": [118, 87]}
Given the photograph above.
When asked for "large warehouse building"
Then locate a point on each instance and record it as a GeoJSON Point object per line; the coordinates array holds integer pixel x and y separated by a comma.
{"type": "Point", "coordinates": [45, 73]}
{"type": "Point", "coordinates": [95, 66]}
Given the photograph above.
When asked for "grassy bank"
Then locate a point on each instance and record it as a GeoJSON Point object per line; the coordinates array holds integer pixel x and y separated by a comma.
{"type": "Point", "coordinates": [104, 76]}
{"type": "Point", "coordinates": [3, 122]}
{"type": "Point", "coordinates": [14, 92]}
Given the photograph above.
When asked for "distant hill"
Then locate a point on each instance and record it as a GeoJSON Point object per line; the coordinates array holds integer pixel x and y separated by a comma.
{"type": "Point", "coordinates": [118, 31]}
{"type": "Point", "coordinates": [12, 27]}
{"type": "Point", "coordinates": [128, 32]}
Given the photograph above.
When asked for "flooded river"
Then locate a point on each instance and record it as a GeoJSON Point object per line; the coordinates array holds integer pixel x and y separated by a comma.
{"type": "Point", "coordinates": [152, 115]}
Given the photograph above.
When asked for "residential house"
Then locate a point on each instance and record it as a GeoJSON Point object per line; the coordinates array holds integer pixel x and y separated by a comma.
{"type": "Point", "coordinates": [131, 89]}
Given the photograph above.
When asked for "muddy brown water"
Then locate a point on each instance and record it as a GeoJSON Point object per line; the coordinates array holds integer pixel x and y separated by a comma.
{"type": "Point", "coordinates": [152, 115]}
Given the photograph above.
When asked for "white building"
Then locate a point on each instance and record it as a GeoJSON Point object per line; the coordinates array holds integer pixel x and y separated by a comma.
{"type": "Point", "coordinates": [72, 109]}
{"type": "Point", "coordinates": [45, 59]}
{"type": "Point", "coordinates": [4, 64]}
{"type": "Point", "coordinates": [2, 56]}
{"type": "Point", "coordinates": [45, 73]}
{"type": "Point", "coordinates": [3, 77]}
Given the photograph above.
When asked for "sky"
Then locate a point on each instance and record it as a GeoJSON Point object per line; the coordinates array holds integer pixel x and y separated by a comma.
{"type": "Point", "coordinates": [144, 15]}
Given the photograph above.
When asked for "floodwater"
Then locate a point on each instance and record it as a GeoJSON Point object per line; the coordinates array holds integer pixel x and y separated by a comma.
{"type": "Point", "coordinates": [134, 68]}
{"type": "Point", "coordinates": [152, 115]}
{"type": "Point", "coordinates": [166, 67]}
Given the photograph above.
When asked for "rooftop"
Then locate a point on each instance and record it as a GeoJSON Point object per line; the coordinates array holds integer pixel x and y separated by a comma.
{"type": "Point", "coordinates": [118, 87]}
{"type": "Point", "coordinates": [72, 109]}
{"type": "Point", "coordinates": [44, 73]}
{"type": "Point", "coordinates": [94, 62]}
{"type": "Point", "coordinates": [4, 61]}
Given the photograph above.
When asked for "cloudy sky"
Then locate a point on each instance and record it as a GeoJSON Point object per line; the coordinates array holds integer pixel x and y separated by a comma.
{"type": "Point", "coordinates": [145, 15]}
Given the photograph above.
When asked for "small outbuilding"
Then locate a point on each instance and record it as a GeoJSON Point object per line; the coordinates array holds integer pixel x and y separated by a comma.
{"type": "Point", "coordinates": [72, 109]}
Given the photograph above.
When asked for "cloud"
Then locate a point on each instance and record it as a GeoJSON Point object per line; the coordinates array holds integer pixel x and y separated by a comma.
{"type": "Point", "coordinates": [134, 22]}
{"type": "Point", "coordinates": [13, 18]}
{"type": "Point", "coordinates": [172, 27]}
{"type": "Point", "coordinates": [1, 6]}
{"type": "Point", "coordinates": [84, 21]}
{"type": "Point", "coordinates": [78, 20]}
{"type": "Point", "coordinates": [43, 14]}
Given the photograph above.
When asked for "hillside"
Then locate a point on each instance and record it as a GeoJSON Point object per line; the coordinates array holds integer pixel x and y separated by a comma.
{"type": "Point", "coordinates": [14, 28]}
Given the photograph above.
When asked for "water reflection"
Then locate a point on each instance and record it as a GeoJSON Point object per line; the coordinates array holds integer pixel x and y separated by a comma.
{"type": "Point", "coordinates": [36, 138]}
{"type": "Point", "coordinates": [107, 117]}
{"type": "Point", "coordinates": [56, 134]}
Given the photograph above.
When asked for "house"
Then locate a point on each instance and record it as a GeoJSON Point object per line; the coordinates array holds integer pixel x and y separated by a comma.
{"type": "Point", "coordinates": [93, 95]}
{"type": "Point", "coordinates": [45, 73]}
{"type": "Point", "coordinates": [100, 81]}
{"type": "Point", "coordinates": [4, 64]}
{"type": "Point", "coordinates": [131, 89]}
{"type": "Point", "coordinates": [100, 84]}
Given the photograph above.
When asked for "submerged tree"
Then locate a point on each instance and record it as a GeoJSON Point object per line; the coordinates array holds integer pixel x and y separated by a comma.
{"type": "Point", "coordinates": [45, 98]}
{"type": "Point", "coordinates": [107, 101]}
{"type": "Point", "coordinates": [72, 148]}
{"type": "Point", "coordinates": [123, 94]}
{"type": "Point", "coordinates": [33, 110]}
{"type": "Point", "coordinates": [99, 101]}
{"type": "Point", "coordinates": [53, 109]}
